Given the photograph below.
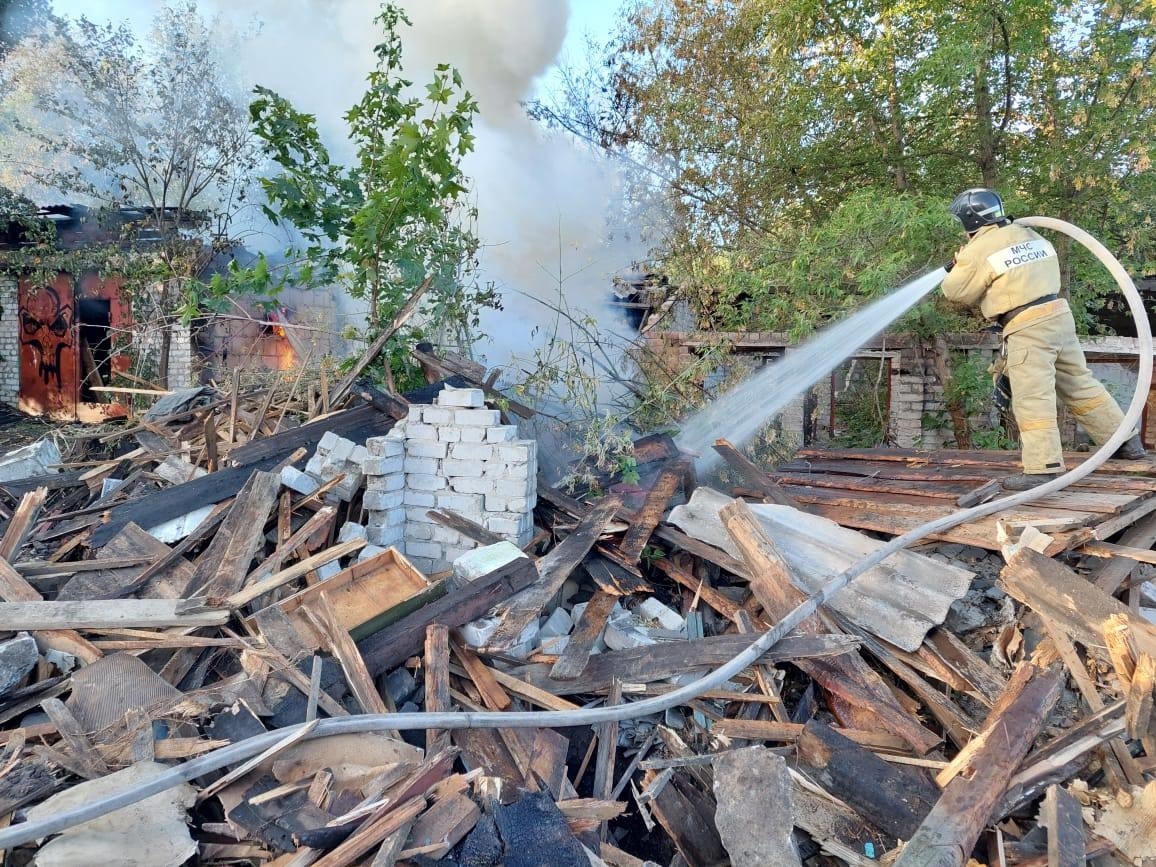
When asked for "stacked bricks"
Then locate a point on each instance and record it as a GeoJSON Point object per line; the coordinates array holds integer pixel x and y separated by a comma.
{"type": "Point", "coordinates": [336, 455]}
{"type": "Point", "coordinates": [455, 455]}
{"type": "Point", "coordinates": [9, 341]}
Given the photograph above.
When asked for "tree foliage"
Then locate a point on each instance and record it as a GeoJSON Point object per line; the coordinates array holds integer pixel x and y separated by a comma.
{"type": "Point", "coordinates": [807, 149]}
{"type": "Point", "coordinates": [393, 217]}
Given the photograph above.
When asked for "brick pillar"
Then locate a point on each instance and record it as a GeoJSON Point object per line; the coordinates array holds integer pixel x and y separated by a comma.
{"type": "Point", "coordinates": [9, 341]}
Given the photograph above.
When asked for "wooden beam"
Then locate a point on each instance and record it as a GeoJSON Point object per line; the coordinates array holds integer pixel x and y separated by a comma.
{"type": "Point", "coordinates": [587, 630]}
{"type": "Point", "coordinates": [553, 570]}
{"type": "Point", "coordinates": [104, 614]}
{"type": "Point", "coordinates": [14, 588]}
{"type": "Point", "coordinates": [654, 507]}
{"type": "Point", "coordinates": [950, 831]}
{"type": "Point", "coordinates": [771, 490]}
{"type": "Point", "coordinates": [391, 646]}
{"type": "Point", "coordinates": [1062, 815]}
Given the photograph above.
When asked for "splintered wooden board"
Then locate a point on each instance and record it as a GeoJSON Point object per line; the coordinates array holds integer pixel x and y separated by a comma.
{"type": "Point", "coordinates": [366, 597]}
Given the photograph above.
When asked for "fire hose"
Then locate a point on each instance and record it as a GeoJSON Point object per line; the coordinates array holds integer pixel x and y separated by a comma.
{"type": "Point", "coordinates": [245, 749]}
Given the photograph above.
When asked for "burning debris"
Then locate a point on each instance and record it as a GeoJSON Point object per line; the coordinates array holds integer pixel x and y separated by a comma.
{"type": "Point", "coordinates": [226, 589]}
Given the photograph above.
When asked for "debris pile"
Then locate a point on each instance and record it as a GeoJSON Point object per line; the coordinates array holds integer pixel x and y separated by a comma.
{"type": "Point", "coordinates": [217, 572]}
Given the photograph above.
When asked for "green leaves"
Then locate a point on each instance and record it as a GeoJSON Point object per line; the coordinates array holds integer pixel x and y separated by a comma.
{"type": "Point", "coordinates": [381, 224]}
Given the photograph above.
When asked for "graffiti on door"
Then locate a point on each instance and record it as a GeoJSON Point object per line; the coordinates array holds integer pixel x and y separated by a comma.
{"type": "Point", "coordinates": [46, 331]}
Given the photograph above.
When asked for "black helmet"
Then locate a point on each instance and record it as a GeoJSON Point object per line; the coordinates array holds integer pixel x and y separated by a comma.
{"type": "Point", "coordinates": [977, 208]}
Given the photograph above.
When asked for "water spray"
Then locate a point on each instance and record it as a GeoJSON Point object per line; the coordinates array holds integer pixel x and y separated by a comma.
{"type": "Point", "coordinates": [242, 750]}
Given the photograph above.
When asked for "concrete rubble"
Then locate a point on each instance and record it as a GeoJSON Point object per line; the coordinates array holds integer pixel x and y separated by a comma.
{"type": "Point", "coordinates": [404, 553]}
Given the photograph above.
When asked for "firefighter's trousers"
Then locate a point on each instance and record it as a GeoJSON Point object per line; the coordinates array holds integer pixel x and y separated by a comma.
{"type": "Point", "coordinates": [1045, 361]}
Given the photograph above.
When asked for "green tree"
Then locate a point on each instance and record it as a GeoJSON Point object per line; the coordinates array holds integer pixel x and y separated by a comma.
{"type": "Point", "coordinates": [395, 215]}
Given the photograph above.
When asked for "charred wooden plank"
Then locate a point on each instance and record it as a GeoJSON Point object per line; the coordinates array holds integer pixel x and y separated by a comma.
{"type": "Point", "coordinates": [574, 658]}
{"type": "Point", "coordinates": [1062, 815]}
{"type": "Point", "coordinates": [553, 570]}
{"type": "Point", "coordinates": [771, 490]}
{"type": "Point", "coordinates": [391, 646]}
{"type": "Point", "coordinates": [894, 798]}
{"type": "Point", "coordinates": [652, 510]}
{"type": "Point", "coordinates": [951, 829]}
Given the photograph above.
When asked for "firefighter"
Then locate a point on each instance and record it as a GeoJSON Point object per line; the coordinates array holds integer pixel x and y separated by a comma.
{"type": "Point", "coordinates": [1013, 275]}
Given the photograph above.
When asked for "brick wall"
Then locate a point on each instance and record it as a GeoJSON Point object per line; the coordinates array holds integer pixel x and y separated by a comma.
{"type": "Point", "coordinates": [9, 341]}
{"type": "Point", "coordinates": [455, 455]}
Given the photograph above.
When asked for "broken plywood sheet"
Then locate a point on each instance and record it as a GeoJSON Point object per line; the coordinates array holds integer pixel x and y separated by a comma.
{"type": "Point", "coordinates": [898, 600]}
{"type": "Point", "coordinates": [149, 833]}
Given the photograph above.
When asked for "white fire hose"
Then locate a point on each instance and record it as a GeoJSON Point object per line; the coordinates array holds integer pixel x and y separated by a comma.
{"type": "Point", "coordinates": [242, 750]}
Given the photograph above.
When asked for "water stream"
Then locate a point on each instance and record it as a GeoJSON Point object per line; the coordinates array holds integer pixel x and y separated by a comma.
{"type": "Point", "coordinates": [740, 413]}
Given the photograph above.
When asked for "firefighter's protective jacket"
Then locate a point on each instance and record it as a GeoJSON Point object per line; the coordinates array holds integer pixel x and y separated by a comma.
{"type": "Point", "coordinates": [1001, 268]}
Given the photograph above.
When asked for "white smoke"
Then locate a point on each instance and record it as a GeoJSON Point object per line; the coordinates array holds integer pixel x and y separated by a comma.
{"type": "Point", "coordinates": [544, 203]}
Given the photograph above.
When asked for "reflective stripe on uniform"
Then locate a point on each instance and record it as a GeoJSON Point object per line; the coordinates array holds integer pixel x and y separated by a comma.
{"type": "Point", "coordinates": [1084, 407]}
{"type": "Point", "coordinates": [1018, 255]}
{"type": "Point", "coordinates": [1030, 424]}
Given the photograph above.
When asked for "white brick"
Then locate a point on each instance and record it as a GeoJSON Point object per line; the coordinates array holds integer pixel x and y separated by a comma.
{"type": "Point", "coordinates": [382, 500]}
{"type": "Point", "coordinates": [477, 417]}
{"type": "Point", "coordinates": [496, 503]}
{"type": "Point", "coordinates": [421, 532]}
{"type": "Point", "coordinates": [472, 451]}
{"type": "Point", "coordinates": [449, 434]}
{"type": "Point", "coordinates": [472, 434]}
{"type": "Point", "coordinates": [417, 515]}
{"type": "Point", "coordinates": [437, 415]}
{"type": "Point", "coordinates": [432, 550]}
{"type": "Point", "coordinates": [463, 503]}
{"type": "Point", "coordinates": [349, 531]}
{"type": "Point", "coordinates": [414, 414]}
{"type": "Point", "coordinates": [419, 432]}
{"type": "Point", "coordinates": [384, 447]}
{"type": "Point", "coordinates": [502, 524]}
{"type": "Point", "coordinates": [512, 487]}
{"type": "Point", "coordinates": [501, 434]}
{"type": "Point", "coordinates": [424, 466]}
{"type": "Point", "coordinates": [426, 499]}
{"type": "Point", "coordinates": [383, 466]}
{"type": "Point", "coordinates": [461, 397]}
{"type": "Point", "coordinates": [327, 442]}
{"type": "Point", "coordinates": [446, 536]}
{"type": "Point", "coordinates": [453, 552]}
{"type": "Point", "coordinates": [371, 551]}
{"type": "Point", "coordinates": [386, 536]}
{"type": "Point", "coordinates": [360, 453]}
{"type": "Point", "coordinates": [425, 565]}
{"type": "Point", "coordinates": [425, 482]}
{"type": "Point", "coordinates": [472, 486]}
{"type": "Point", "coordinates": [392, 482]}
{"type": "Point", "coordinates": [517, 471]}
{"type": "Point", "coordinates": [342, 450]}
{"type": "Point", "coordinates": [458, 468]}
{"type": "Point", "coordinates": [514, 454]}
{"type": "Point", "coordinates": [295, 480]}
{"type": "Point", "coordinates": [425, 449]}
{"type": "Point", "coordinates": [519, 504]}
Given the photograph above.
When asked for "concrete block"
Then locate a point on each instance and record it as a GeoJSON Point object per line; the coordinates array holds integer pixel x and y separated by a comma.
{"type": "Point", "coordinates": [437, 415]}
{"type": "Point", "coordinates": [386, 536]}
{"type": "Point", "coordinates": [414, 414]}
{"type": "Point", "coordinates": [397, 432]}
{"type": "Point", "coordinates": [622, 634]}
{"type": "Point", "coordinates": [519, 504]}
{"type": "Point", "coordinates": [652, 609]}
{"type": "Point", "coordinates": [557, 624]}
{"type": "Point", "coordinates": [455, 468]}
{"type": "Point", "coordinates": [472, 486]}
{"type": "Point", "coordinates": [426, 499]}
{"type": "Point", "coordinates": [37, 459]}
{"type": "Point", "coordinates": [425, 482]}
{"type": "Point", "coordinates": [432, 550]}
{"type": "Point", "coordinates": [383, 500]}
{"type": "Point", "coordinates": [422, 466]}
{"type": "Point", "coordinates": [477, 417]}
{"type": "Point", "coordinates": [478, 632]}
{"type": "Point", "coordinates": [425, 565]}
{"type": "Point", "coordinates": [484, 560]}
{"type": "Point", "coordinates": [392, 482]}
{"type": "Point", "coordinates": [471, 434]}
{"type": "Point", "coordinates": [449, 434]}
{"type": "Point", "coordinates": [315, 465]}
{"type": "Point", "coordinates": [512, 487]}
{"type": "Point", "coordinates": [360, 453]}
{"type": "Point", "coordinates": [419, 432]}
{"type": "Point", "coordinates": [370, 551]}
{"type": "Point", "coordinates": [425, 449]}
{"type": "Point", "coordinates": [502, 524]}
{"type": "Point", "coordinates": [516, 453]}
{"type": "Point", "coordinates": [453, 552]}
{"type": "Point", "coordinates": [384, 447]}
{"type": "Point", "coordinates": [327, 442]}
{"type": "Point", "coordinates": [295, 480]}
{"type": "Point", "coordinates": [342, 450]}
{"type": "Point", "coordinates": [382, 466]}
{"type": "Point", "coordinates": [472, 451]}
{"type": "Point", "coordinates": [351, 530]}
{"type": "Point", "coordinates": [516, 471]}
{"type": "Point", "coordinates": [462, 397]}
{"type": "Point", "coordinates": [421, 532]}
{"type": "Point", "coordinates": [417, 515]}
{"type": "Point", "coordinates": [328, 570]}
{"type": "Point", "coordinates": [503, 433]}
{"type": "Point", "coordinates": [461, 503]}
{"type": "Point", "coordinates": [496, 503]}
{"type": "Point", "coordinates": [447, 536]}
